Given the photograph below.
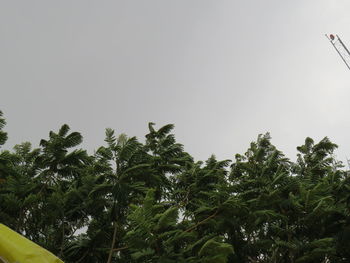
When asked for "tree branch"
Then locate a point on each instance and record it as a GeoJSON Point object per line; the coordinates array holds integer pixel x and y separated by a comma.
{"type": "Point", "coordinates": [203, 221]}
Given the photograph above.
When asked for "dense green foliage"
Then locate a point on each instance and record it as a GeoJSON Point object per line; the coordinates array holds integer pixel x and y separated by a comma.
{"type": "Point", "coordinates": [151, 202]}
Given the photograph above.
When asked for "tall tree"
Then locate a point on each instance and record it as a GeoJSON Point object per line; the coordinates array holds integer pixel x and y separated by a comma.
{"type": "Point", "coordinates": [151, 202]}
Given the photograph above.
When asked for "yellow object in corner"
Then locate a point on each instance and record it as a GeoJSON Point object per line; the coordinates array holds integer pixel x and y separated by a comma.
{"type": "Point", "coordinates": [15, 248]}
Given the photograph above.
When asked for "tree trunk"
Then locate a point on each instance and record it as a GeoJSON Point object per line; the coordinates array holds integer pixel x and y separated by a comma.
{"type": "Point", "coordinates": [63, 234]}
{"type": "Point", "coordinates": [113, 242]}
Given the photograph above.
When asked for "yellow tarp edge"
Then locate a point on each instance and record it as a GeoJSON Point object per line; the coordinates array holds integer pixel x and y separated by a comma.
{"type": "Point", "coordinates": [15, 248]}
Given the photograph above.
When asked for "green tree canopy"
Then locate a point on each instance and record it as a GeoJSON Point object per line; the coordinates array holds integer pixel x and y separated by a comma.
{"type": "Point", "coordinates": [133, 201]}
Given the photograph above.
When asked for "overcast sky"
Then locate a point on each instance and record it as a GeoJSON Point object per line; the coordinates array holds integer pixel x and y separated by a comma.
{"type": "Point", "coordinates": [221, 71]}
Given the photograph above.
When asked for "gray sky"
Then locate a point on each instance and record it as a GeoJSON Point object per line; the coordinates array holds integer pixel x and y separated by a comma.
{"type": "Point", "coordinates": [221, 71]}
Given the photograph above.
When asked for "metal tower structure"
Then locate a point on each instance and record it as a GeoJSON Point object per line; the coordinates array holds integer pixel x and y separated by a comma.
{"type": "Point", "coordinates": [340, 47]}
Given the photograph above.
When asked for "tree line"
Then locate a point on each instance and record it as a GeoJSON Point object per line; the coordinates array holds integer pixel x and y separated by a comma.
{"type": "Point", "coordinates": [152, 202]}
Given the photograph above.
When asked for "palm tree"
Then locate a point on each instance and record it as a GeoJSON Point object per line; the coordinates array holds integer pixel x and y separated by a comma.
{"type": "Point", "coordinates": [168, 158]}
{"type": "Point", "coordinates": [4, 165]}
{"type": "Point", "coordinates": [59, 169]}
{"type": "Point", "coordinates": [3, 135]}
{"type": "Point", "coordinates": [123, 164]}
